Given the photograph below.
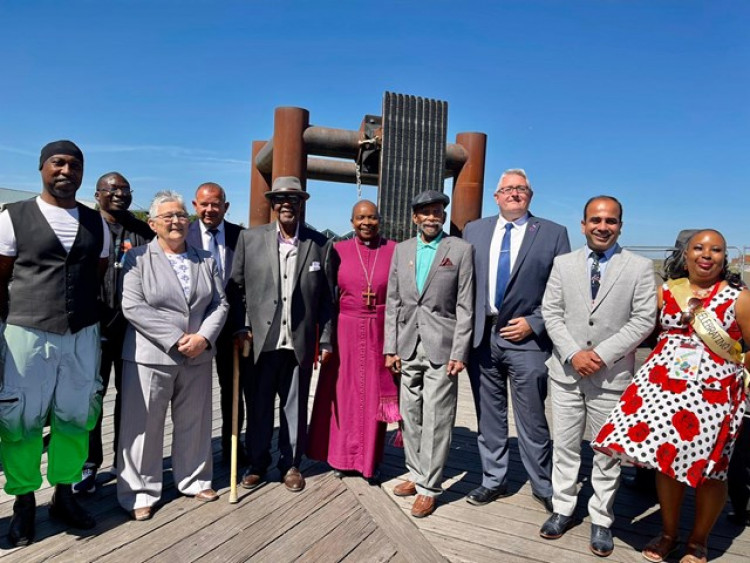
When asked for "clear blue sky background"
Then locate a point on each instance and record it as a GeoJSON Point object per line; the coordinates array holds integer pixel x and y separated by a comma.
{"type": "Point", "coordinates": [644, 100]}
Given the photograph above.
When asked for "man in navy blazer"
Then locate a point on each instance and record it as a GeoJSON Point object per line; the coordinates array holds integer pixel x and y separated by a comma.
{"type": "Point", "coordinates": [219, 237]}
{"type": "Point", "coordinates": [514, 252]}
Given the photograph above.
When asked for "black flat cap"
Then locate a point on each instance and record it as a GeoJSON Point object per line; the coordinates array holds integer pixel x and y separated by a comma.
{"type": "Point", "coordinates": [427, 197]}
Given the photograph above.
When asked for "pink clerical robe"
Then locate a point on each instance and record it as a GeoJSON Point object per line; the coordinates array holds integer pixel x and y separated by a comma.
{"type": "Point", "coordinates": [356, 395]}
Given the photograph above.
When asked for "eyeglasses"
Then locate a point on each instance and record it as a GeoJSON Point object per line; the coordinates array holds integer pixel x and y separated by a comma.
{"type": "Point", "coordinates": [279, 199]}
{"type": "Point", "coordinates": [687, 316]}
{"type": "Point", "coordinates": [169, 217]}
{"type": "Point", "coordinates": [520, 189]}
{"type": "Point", "coordinates": [122, 191]}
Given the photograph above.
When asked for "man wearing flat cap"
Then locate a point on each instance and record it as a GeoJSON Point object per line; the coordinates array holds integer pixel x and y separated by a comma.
{"type": "Point", "coordinates": [428, 321]}
{"type": "Point", "coordinates": [282, 275]}
{"type": "Point", "coordinates": [55, 251]}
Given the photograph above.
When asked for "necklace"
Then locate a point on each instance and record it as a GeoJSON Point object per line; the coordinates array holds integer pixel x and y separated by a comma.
{"type": "Point", "coordinates": [703, 293]}
{"type": "Point", "coordinates": [368, 294]}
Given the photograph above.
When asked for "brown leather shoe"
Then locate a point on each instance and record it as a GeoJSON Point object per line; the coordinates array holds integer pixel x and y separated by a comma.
{"type": "Point", "coordinates": [207, 495]}
{"type": "Point", "coordinates": [405, 489]}
{"type": "Point", "coordinates": [141, 514]}
{"type": "Point", "coordinates": [293, 480]}
{"type": "Point", "coordinates": [423, 506]}
{"type": "Point", "coordinates": [251, 480]}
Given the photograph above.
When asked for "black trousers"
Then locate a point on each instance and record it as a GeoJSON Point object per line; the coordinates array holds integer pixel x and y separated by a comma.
{"type": "Point", "coordinates": [111, 357]}
{"type": "Point", "coordinates": [738, 479]}
{"type": "Point", "coordinates": [225, 373]}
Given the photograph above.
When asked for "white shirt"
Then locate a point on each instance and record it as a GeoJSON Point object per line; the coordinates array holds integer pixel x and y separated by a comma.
{"type": "Point", "coordinates": [64, 222]}
{"type": "Point", "coordinates": [516, 238]}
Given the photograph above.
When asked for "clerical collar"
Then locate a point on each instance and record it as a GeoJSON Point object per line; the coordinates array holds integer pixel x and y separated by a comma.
{"type": "Point", "coordinates": [368, 243]}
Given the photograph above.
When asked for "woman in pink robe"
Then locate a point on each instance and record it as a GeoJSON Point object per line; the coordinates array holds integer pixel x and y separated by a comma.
{"type": "Point", "coordinates": [356, 396]}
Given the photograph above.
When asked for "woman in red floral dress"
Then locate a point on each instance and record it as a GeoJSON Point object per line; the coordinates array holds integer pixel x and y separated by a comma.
{"type": "Point", "coordinates": [682, 412]}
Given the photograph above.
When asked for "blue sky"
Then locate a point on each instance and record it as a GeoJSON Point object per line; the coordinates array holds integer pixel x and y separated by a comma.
{"type": "Point", "coordinates": [644, 100]}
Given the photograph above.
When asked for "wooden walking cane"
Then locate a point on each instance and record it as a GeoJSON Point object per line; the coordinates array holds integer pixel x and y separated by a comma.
{"type": "Point", "coordinates": [236, 416]}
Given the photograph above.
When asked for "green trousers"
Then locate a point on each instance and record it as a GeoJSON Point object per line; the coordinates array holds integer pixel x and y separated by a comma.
{"type": "Point", "coordinates": [47, 376]}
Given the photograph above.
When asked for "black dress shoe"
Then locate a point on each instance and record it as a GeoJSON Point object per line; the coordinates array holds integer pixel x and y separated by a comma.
{"type": "Point", "coordinates": [21, 530]}
{"type": "Point", "coordinates": [601, 541]}
{"type": "Point", "coordinates": [739, 519]}
{"type": "Point", "coordinates": [546, 502]}
{"type": "Point", "coordinates": [484, 495]}
{"type": "Point", "coordinates": [65, 508]}
{"type": "Point", "coordinates": [555, 526]}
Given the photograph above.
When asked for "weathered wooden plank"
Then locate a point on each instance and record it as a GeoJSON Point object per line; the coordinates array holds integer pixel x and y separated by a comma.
{"type": "Point", "coordinates": [375, 548]}
{"type": "Point", "coordinates": [313, 531]}
{"type": "Point", "coordinates": [400, 529]}
{"type": "Point", "coordinates": [251, 540]}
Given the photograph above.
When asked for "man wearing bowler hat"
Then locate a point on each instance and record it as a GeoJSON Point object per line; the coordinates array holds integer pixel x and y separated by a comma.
{"type": "Point", "coordinates": [282, 273]}
{"type": "Point", "coordinates": [428, 319]}
{"type": "Point", "coordinates": [55, 250]}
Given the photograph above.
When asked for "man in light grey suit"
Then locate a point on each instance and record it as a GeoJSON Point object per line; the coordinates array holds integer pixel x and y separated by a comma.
{"type": "Point", "coordinates": [513, 257]}
{"type": "Point", "coordinates": [282, 274]}
{"type": "Point", "coordinates": [428, 319]}
{"type": "Point", "coordinates": [213, 233]}
{"type": "Point", "coordinates": [599, 304]}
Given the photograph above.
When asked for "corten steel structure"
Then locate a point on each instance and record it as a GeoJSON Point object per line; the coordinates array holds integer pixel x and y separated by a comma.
{"type": "Point", "coordinates": [402, 152]}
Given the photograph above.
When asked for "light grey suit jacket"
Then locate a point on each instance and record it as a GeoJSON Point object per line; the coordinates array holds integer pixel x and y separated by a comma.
{"type": "Point", "coordinates": [613, 325]}
{"type": "Point", "coordinates": [441, 315]}
{"type": "Point", "coordinates": [156, 309]}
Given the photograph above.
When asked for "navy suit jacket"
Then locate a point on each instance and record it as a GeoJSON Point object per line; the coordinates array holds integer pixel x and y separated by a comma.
{"type": "Point", "coordinates": [542, 241]}
{"type": "Point", "coordinates": [231, 234]}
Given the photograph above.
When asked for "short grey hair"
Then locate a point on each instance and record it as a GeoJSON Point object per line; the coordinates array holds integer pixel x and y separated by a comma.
{"type": "Point", "coordinates": [518, 172]}
{"type": "Point", "coordinates": [164, 196]}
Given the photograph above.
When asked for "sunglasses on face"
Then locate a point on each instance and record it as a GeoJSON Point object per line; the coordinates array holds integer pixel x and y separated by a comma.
{"type": "Point", "coordinates": [279, 199]}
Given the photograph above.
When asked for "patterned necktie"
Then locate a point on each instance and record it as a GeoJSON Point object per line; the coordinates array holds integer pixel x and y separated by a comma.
{"type": "Point", "coordinates": [213, 248]}
{"type": "Point", "coordinates": [596, 273]}
{"type": "Point", "coordinates": [503, 267]}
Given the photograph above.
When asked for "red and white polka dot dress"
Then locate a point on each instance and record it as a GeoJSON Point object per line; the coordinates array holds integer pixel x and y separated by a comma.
{"type": "Point", "coordinates": [684, 428]}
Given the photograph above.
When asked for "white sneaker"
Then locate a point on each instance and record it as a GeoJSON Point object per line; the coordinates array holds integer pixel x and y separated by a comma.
{"type": "Point", "coordinates": [87, 484]}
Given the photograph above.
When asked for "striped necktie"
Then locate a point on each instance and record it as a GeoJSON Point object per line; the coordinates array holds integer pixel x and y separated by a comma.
{"type": "Point", "coordinates": [213, 248]}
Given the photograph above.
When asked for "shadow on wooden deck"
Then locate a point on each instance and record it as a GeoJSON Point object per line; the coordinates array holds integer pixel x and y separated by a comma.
{"type": "Point", "coordinates": [349, 520]}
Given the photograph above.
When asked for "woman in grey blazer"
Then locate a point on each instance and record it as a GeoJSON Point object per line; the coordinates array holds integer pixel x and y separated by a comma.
{"type": "Point", "coordinates": [174, 301]}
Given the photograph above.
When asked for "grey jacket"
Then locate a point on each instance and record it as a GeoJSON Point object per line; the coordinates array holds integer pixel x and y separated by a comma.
{"type": "Point", "coordinates": [441, 315]}
{"type": "Point", "coordinates": [613, 325]}
{"type": "Point", "coordinates": [159, 314]}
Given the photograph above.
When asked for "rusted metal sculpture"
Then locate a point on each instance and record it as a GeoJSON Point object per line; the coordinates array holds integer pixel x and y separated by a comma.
{"type": "Point", "coordinates": [402, 152]}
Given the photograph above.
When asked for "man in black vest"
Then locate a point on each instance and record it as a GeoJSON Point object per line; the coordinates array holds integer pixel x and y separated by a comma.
{"type": "Point", "coordinates": [219, 237]}
{"type": "Point", "coordinates": [55, 251]}
{"type": "Point", "coordinates": [126, 231]}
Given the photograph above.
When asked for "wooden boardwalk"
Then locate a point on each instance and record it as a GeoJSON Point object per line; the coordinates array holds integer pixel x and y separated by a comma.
{"type": "Point", "coordinates": [347, 520]}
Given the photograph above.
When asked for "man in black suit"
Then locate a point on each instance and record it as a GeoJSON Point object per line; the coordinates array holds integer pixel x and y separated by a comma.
{"type": "Point", "coordinates": [114, 196]}
{"type": "Point", "coordinates": [283, 272]}
{"type": "Point", "coordinates": [513, 258]}
{"type": "Point", "coordinates": [219, 237]}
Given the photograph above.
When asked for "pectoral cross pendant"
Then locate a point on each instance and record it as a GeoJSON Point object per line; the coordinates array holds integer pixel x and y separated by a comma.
{"type": "Point", "coordinates": [367, 295]}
